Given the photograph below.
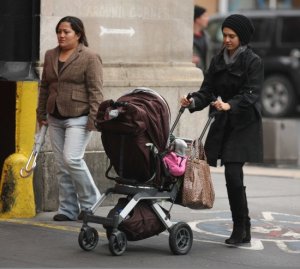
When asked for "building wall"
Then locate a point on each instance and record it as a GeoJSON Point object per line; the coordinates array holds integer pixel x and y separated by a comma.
{"type": "Point", "coordinates": [142, 44]}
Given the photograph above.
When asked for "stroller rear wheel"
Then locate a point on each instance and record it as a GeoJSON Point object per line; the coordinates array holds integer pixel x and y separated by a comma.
{"type": "Point", "coordinates": [181, 238]}
{"type": "Point", "coordinates": [88, 238]}
{"type": "Point", "coordinates": [117, 243]}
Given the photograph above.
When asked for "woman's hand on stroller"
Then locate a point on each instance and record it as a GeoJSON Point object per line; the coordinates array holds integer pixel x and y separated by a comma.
{"type": "Point", "coordinates": [185, 101]}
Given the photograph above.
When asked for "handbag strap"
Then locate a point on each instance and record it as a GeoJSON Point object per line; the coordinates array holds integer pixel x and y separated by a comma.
{"type": "Point", "coordinates": [197, 150]}
{"type": "Point", "coordinates": [194, 150]}
{"type": "Point", "coordinates": [201, 151]}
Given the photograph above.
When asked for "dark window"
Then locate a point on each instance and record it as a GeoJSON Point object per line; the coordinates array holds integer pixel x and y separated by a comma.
{"type": "Point", "coordinates": [290, 30]}
{"type": "Point", "coordinates": [19, 29]}
{"type": "Point", "coordinates": [263, 30]}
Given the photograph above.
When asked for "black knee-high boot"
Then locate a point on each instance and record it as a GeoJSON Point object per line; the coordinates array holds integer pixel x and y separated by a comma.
{"type": "Point", "coordinates": [236, 197]}
{"type": "Point", "coordinates": [247, 237]}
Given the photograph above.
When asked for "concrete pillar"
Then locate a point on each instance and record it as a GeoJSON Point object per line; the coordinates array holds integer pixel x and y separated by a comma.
{"type": "Point", "coordinates": [281, 141]}
{"type": "Point", "coordinates": [142, 44]}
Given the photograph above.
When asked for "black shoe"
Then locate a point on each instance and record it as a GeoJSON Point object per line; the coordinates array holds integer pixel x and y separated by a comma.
{"type": "Point", "coordinates": [61, 217]}
{"type": "Point", "coordinates": [247, 237]}
{"type": "Point", "coordinates": [237, 236]}
{"type": "Point", "coordinates": [246, 240]}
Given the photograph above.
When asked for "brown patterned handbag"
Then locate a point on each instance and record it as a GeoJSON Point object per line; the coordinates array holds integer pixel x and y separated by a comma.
{"type": "Point", "coordinates": [198, 191]}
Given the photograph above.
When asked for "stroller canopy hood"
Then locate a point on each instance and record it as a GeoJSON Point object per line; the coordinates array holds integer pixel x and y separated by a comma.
{"type": "Point", "coordinates": [154, 111]}
{"type": "Point", "coordinates": [128, 125]}
{"type": "Point", "coordinates": [141, 110]}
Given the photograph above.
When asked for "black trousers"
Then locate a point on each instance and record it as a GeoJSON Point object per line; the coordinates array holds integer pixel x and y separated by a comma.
{"type": "Point", "coordinates": [234, 174]}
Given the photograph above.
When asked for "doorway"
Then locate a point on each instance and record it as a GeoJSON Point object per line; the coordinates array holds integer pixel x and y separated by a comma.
{"type": "Point", "coordinates": [7, 119]}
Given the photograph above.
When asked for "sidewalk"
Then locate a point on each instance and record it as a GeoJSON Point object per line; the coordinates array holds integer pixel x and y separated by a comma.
{"type": "Point", "coordinates": [265, 171]}
{"type": "Point", "coordinates": [282, 172]}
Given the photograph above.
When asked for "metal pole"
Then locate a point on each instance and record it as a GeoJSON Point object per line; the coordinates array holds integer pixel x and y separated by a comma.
{"type": "Point", "coordinates": [273, 4]}
{"type": "Point", "coordinates": [223, 6]}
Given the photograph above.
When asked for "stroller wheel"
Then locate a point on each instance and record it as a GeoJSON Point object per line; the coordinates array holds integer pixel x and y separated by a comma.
{"type": "Point", "coordinates": [181, 238]}
{"type": "Point", "coordinates": [117, 243]}
{"type": "Point", "coordinates": [88, 238]}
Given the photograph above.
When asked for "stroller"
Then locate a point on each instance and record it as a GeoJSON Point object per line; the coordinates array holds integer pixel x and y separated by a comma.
{"type": "Point", "coordinates": [135, 133]}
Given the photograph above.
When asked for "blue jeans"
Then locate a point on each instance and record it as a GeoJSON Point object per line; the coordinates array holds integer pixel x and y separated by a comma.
{"type": "Point", "coordinates": [77, 189]}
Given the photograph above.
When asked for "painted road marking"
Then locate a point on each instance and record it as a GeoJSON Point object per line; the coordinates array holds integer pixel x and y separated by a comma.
{"type": "Point", "coordinates": [281, 229]}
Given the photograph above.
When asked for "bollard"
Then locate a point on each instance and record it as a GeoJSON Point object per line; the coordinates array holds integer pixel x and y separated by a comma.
{"type": "Point", "coordinates": [16, 193]}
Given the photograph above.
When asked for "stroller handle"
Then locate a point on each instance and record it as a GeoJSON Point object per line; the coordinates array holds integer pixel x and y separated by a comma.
{"type": "Point", "coordinates": [181, 110]}
{"type": "Point", "coordinates": [210, 118]}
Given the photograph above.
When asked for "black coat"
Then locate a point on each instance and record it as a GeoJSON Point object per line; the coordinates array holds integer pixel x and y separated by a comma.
{"type": "Point", "coordinates": [235, 135]}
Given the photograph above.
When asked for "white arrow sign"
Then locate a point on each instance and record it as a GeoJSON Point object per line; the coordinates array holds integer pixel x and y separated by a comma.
{"type": "Point", "coordinates": [292, 234]}
{"type": "Point", "coordinates": [111, 31]}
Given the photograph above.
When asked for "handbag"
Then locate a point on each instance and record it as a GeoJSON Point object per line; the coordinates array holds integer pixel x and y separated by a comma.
{"type": "Point", "coordinates": [197, 191]}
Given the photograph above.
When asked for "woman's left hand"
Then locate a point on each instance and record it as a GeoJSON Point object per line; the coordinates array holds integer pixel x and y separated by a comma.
{"type": "Point", "coordinates": [220, 105]}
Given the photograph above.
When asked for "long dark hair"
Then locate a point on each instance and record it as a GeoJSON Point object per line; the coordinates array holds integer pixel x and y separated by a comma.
{"type": "Point", "coordinates": [77, 26]}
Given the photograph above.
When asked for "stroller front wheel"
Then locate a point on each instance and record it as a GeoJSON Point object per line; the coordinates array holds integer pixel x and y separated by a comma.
{"type": "Point", "coordinates": [117, 243]}
{"type": "Point", "coordinates": [181, 238]}
{"type": "Point", "coordinates": [88, 238]}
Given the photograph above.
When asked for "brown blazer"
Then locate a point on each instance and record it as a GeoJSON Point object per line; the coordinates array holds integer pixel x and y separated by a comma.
{"type": "Point", "coordinates": [76, 89]}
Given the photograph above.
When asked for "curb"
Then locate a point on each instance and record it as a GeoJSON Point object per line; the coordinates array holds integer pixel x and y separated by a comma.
{"type": "Point", "coordinates": [264, 171]}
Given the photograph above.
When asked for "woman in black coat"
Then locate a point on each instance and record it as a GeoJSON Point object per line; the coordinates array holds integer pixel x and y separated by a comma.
{"type": "Point", "coordinates": [232, 88]}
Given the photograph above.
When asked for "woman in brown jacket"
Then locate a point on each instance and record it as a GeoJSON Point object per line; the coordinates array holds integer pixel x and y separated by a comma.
{"type": "Point", "coordinates": [70, 93]}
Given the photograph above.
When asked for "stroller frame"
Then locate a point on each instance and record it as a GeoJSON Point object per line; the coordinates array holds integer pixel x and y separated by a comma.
{"type": "Point", "coordinates": [180, 233]}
